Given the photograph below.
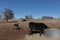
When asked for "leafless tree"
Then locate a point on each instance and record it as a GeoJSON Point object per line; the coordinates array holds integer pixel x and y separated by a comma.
{"type": "Point", "coordinates": [28, 16]}
{"type": "Point", "coordinates": [8, 14]}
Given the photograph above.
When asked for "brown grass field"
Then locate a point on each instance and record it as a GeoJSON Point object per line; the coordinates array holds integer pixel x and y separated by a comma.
{"type": "Point", "coordinates": [8, 31]}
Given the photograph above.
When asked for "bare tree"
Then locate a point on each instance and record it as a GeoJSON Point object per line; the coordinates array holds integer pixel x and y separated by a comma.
{"type": "Point", "coordinates": [8, 14]}
{"type": "Point", "coordinates": [28, 16]}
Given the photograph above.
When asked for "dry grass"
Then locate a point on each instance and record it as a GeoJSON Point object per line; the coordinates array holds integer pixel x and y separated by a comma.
{"type": "Point", "coordinates": [7, 31]}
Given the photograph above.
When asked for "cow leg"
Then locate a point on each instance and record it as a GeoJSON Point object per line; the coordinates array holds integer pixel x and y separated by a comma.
{"type": "Point", "coordinates": [40, 32]}
{"type": "Point", "coordinates": [31, 32]}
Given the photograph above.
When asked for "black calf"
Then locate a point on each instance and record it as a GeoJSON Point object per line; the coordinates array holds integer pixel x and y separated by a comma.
{"type": "Point", "coordinates": [16, 26]}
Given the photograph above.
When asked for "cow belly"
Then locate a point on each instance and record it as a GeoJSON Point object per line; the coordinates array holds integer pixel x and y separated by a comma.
{"type": "Point", "coordinates": [37, 28]}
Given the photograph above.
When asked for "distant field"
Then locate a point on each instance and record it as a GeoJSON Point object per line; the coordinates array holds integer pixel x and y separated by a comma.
{"type": "Point", "coordinates": [7, 31]}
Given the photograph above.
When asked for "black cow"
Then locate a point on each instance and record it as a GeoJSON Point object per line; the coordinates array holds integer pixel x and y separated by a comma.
{"type": "Point", "coordinates": [16, 26]}
{"type": "Point", "coordinates": [24, 20]}
{"type": "Point", "coordinates": [37, 26]}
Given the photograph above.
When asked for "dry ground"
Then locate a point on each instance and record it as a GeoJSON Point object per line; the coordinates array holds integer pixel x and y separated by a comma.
{"type": "Point", "coordinates": [7, 31]}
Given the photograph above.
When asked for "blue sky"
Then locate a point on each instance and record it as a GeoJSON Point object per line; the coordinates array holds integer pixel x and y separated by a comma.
{"type": "Point", "coordinates": [36, 8]}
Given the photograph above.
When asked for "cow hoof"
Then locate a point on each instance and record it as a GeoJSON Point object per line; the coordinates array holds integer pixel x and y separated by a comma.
{"type": "Point", "coordinates": [40, 34]}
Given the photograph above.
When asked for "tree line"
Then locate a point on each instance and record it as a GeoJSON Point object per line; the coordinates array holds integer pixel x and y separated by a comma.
{"type": "Point", "coordinates": [9, 14]}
